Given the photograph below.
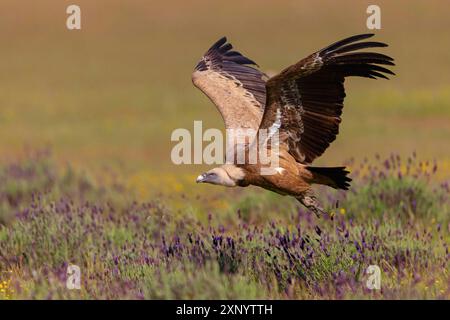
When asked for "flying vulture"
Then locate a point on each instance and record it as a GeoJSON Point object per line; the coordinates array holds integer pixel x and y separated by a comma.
{"type": "Point", "coordinates": [302, 104]}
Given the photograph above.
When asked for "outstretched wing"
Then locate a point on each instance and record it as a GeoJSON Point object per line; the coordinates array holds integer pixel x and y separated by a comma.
{"type": "Point", "coordinates": [237, 89]}
{"type": "Point", "coordinates": [305, 100]}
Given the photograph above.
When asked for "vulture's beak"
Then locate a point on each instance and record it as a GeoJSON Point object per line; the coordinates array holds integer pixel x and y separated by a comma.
{"type": "Point", "coordinates": [200, 178]}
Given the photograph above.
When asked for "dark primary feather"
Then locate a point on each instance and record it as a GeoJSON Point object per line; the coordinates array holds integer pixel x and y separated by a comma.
{"type": "Point", "coordinates": [221, 58]}
{"type": "Point", "coordinates": [360, 45]}
{"type": "Point", "coordinates": [348, 40]}
{"type": "Point", "coordinates": [310, 94]}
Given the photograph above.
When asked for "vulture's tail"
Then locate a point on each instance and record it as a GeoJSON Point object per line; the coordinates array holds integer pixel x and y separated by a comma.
{"type": "Point", "coordinates": [335, 177]}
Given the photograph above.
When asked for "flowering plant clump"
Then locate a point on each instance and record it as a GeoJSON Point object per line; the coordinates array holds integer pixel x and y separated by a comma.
{"type": "Point", "coordinates": [6, 291]}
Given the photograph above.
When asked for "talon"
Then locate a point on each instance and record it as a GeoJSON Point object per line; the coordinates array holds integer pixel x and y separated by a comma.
{"type": "Point", "coordinates": [332, 215]}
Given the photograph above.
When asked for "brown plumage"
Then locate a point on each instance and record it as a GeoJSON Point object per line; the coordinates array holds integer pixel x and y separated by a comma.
{"type": "Point", "coordinates": [302, 104]}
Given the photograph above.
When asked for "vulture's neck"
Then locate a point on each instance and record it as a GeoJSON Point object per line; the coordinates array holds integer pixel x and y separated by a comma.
{"type": "Point", "coordinates": [235, 173]}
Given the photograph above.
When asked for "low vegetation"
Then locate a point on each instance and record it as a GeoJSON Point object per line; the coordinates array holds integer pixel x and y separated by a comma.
{"type": "Point", "coordinates": [396, 217]}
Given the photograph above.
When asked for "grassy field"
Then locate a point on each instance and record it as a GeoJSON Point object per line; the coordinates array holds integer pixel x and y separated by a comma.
{"type": "Point", "coordinates": [394, 217]}
{"type": "Point", "coordinates": [104, 100]}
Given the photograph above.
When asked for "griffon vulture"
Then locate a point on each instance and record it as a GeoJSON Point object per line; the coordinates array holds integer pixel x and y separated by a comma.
{"type": "Point", "coordinates": [303, 104]}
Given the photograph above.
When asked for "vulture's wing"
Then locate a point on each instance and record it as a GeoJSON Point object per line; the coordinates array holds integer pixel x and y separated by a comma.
{"type": "Point", "coordinates": [237, 89]}
{"type": "Point", "coordinates": [305, 100]}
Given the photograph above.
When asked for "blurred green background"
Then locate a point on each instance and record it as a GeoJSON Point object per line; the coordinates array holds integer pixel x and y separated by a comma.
{"type": "Point", "coordinates": [107, 97]}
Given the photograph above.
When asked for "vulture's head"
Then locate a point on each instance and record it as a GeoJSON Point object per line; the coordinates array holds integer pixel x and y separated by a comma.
{"type": "Point", "coordinates": [226, 175]}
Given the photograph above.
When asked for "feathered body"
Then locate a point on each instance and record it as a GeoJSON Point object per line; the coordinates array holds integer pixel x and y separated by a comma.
{"type": "Point", "coordinates": [302, 104]}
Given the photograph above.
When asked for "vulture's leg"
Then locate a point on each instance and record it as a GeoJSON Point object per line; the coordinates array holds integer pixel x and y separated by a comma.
{"type": "Point", "coordinates": [309, 200]}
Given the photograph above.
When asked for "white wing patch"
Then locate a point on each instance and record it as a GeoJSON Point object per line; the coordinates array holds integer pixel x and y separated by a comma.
{"type": "Point", "coordinates": [276, 125]}
{"type": "Point", "coordinates": [280, 170]}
